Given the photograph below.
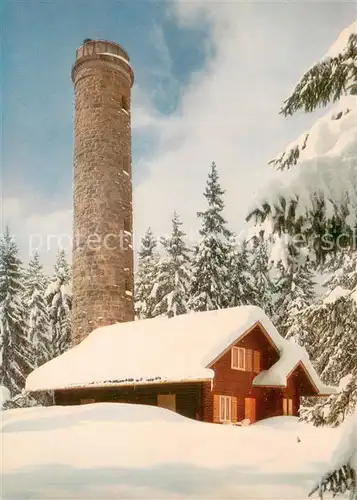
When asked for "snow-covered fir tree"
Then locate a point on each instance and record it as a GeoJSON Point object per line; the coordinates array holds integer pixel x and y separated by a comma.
{"type": "Point", "coordinates": [241, 282]}
{"type": "Point", "coordinates": [59, 299]}
{"type": "Point", "coordinates": [263, 286]}
{"type": "Point", "coordinates": [315, 197]}
{"type": "Point", "coordinates": [15, 348]}
{"type": "Point", "coordinates": [174, 277]}
{"type": "Point", "coordinates": [294, 291]}
{"type": "Point", "coordinates": [210, 269]}
{"type": "Point", "coordinates": [328, 79]}
{"type": "Point", "coordinates": [36, 311]}
{"type": "Point", "coordinates": [328, 331]}
{"type": "Point", "coordinates": [330, 325]}
{"type": "Point", "coordinates": [146, 276]}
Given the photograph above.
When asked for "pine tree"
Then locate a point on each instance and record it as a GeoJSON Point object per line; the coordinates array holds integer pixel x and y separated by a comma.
{"type": "Point", "coordinates": [294, 292]}
{"type": "Point", "coordinates": [211, 255]}
{"type": "Point", "coordinates": [263, 287]}
{"type": "Point", "coordinates": [15, 348]}
{"type": "Point", "coordinates": [320, 199]}
{"type": "Point", "coordinates": [146, 277]}
{"type": "Point", "coordinates": [59, 299]}
{"type": "Point", "coordinates": [330, 332]}
{"type": "Point", "coordinates": [37, 317]}
{"type": "Point", "coordinates": [327, 80]}
{"type": "Point", "coordinates": [241, 282]}
{"type": "Point", "coordinates": [173, 280]}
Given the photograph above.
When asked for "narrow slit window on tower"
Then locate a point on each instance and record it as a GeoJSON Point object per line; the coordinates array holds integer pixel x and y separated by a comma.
{"type": "Point", "coordinates": [126, 164]}
{"type": "Point", "coordinates": [125, 103]}
{"type": "Point", "coordinates": [127, 225]}
{"type": "Point", "coordinates": [128, 291]}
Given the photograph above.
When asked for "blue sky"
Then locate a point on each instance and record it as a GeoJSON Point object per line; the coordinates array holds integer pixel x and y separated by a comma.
{"type": "Point", "coordinates": [209, 81]}
{"type": "Point", "coordinates": [39, 41]}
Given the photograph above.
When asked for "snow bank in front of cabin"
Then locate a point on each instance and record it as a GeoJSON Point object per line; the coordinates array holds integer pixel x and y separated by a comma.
{"type": "Point", "coordinates": [346, 450]}
{"type": "Point", "coordinates": [126, 451]}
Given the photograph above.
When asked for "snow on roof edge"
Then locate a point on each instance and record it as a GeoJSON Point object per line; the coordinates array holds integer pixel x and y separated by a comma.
{"type": "Point", "coordinates": [128, 383]}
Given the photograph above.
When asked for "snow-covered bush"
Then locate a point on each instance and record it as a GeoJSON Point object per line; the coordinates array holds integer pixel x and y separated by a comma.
{"type": "Point", "coordinates": [342, 474]}
{"type": "Point", "coordinates": [21, 400]}
{"type": "Point", "coordinates": [4, 396]}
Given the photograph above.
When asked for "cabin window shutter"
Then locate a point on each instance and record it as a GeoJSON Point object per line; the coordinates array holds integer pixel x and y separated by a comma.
{"type": "Point", "coordinates": [248, 360]}
{"type": "Point", "coordinates": [216, 408]}
{"type": "Point", "coordinates": [256, 361]}
{"type": "Point", "coordinates": [234, 409]}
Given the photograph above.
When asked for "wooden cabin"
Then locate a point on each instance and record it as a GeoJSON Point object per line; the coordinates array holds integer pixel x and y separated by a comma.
{"type": "Point", "coordinates": [221, 366]}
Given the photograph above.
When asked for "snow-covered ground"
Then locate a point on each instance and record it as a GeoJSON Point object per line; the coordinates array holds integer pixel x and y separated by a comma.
{"type": "Point", "coordinates": [119, 451]}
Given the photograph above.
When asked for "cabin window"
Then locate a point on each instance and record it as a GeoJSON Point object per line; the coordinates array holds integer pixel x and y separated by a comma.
{"type": "Point", "coordinates": [288, 406]}
{"type": "Point", "coordinates": [256, 362]}
{"type": "Point", "coordinates": [238, 358]}
{"type": "Point", "coordinates": [225, 408]}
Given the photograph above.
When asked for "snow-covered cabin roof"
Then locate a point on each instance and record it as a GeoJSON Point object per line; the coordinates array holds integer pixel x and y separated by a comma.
{"type": "Point", "coordinates": [166, 350]}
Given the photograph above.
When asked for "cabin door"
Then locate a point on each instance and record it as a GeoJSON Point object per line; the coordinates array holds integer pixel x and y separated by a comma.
{"type": "Point", "coordinates": [288, 406]}
{"type": "Point", "coordinates": [250, 409]}
{"type": "Point", "coordinates": [167, 401]}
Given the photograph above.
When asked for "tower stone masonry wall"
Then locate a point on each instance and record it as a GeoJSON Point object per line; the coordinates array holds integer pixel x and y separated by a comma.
{"type": "Point", "coordinates": [102, 233]}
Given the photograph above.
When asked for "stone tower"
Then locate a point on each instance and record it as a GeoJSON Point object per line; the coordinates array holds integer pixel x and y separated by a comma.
{"type": "Point", "coordinates": [102, 234]}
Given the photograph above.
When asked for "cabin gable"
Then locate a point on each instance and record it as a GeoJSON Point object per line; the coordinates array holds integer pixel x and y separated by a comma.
{"type": "Point", "coordinates": [237, 382]}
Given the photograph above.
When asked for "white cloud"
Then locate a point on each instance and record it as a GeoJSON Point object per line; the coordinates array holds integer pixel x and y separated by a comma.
{"type": "Point", "coordinates": [35, 231]}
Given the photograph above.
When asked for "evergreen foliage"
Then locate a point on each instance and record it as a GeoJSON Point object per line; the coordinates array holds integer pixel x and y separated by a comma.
{"type": "Point", "coordinates": [263, 286]}
{"type": "Point", "coordinates": [20, 400]}
{"type": "Point", "coordinates": [211, 256]}
{"type": "Point", "coordinates": [241, 280]}
{"type": "Point", "coordinates": [15, 348]}
{"type": "Point", "coordinates": [37, 317]}
{"type": "Point", "coordinates": [326, 81]}
{"type": "Point", "coordinates": [294, 292]}
{"type": "Point", "coordinates": [333, 410]}
{"type": "Point", "coordinates": [174, 277]}
{"type": "Point", "coordinates": [59, 299]}
{"type": "Point", "coordinates": [146, 276]}
{"type": "Point", "coordinates": [329, 328]}
{"type": "Point", "coordinates": [315, 206]}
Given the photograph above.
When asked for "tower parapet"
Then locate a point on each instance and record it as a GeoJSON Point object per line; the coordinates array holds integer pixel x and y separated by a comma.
{"type": "Point", "coordinates": [102, 233]}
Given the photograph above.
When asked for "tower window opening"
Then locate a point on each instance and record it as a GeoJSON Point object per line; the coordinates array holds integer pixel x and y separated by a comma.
{"type": "Point", "coordinates": [127, 228]}
{"type": "Point", "coordinates": [126, 164]}
{"type": "Point", "coordinates": [125, 103]}
{"type": "Point", "coordinates": [127, 289]}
